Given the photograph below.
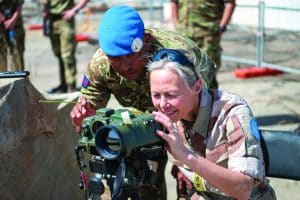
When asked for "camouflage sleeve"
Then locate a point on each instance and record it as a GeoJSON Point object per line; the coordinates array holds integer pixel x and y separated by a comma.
{"type": "Point", "coordinates": [244, 149]}
{"type": "Point", "coordinates": [94, 84]}
{"type": "Point", "coordinates": [204, 65]}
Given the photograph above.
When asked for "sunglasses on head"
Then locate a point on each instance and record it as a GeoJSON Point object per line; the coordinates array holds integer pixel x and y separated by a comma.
{"type": "Point", "coordinates": [174, 56]}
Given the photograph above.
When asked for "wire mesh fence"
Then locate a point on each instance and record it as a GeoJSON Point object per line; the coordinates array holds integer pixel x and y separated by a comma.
{"type": "Point", "coordinates": [269, 37]}
{"type": "Point", "coordinates": [260, 33]}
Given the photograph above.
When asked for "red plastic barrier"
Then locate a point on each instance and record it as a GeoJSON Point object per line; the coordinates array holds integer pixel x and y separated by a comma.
{"type": "Point", "coordinates": [82, 37]}
{"type": "Point", "coordinates": [34, 27]}
{"type": "Point", "coordinates": [254, 71]}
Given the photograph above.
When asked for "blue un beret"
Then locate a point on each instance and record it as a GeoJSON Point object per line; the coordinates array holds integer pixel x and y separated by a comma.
{"type": "Point", "coordinates": [121, 31]}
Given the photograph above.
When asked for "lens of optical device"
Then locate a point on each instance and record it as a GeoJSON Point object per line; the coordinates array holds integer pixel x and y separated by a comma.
{"type": "Point", "coordinates": [113, 141]}
{"type": "Point", "coordinates": [108, 142]}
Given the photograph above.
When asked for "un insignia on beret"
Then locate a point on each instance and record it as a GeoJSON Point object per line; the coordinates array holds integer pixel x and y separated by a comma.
{"type": "Point", "coordinates": [136, 45]}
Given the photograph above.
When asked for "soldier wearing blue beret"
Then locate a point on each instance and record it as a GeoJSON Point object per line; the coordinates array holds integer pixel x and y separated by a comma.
{"type": "Point", "coordinates": [118, 68]}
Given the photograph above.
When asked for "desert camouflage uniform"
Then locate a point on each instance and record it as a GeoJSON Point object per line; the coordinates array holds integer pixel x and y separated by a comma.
{"type": "Point", "coordinates": [199, 20]}
{"type": "Point", "coordinates": [228, 136]}
{"type": "Point", "coordinates": [62, 37]}
{"type": "Point", "coordinates": [16, 46]}
{"type": "Point", "coordinates": [101, 81]}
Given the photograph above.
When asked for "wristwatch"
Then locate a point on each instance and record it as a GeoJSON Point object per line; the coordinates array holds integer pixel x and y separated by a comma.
{"type": "Point", "coordinates": [76, 10]}
{"type": "Point", "coordinates": [222, 29]}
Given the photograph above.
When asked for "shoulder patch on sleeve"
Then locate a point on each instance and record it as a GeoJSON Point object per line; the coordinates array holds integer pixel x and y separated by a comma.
{"type": "Point", "coordinates": [85, 82]}
{"type": "Point", "coordinates": [254, 128]}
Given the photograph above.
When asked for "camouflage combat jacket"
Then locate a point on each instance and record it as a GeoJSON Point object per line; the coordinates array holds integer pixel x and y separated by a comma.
{"type": "Point", "coordinates": [9, 4]}
{"type": "Point", "coordinates": [56, 7]}
{"type": "Point", "coordinates": [200, 17]}
{"type": "Point", "coordinates": [100, 80]}
{"type": "Point", "coordinates": [8, 7]}
{"type": "Point", "coordinates": [226, 133]}
{"type": "Point", "coordinates": [15, 44]}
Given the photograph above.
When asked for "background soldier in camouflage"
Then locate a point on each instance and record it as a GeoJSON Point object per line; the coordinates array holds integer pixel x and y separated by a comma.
{"type": "Point", "coordinates": [12, 35]}
{"type": "Point", "coordinates": [204, 21]}
{"type": "Point", "coordinates": [118, 68]}
{"type": "Point", "coordinates": [59, 25]}
{"type": "Point", "coordinates": [217, 146]}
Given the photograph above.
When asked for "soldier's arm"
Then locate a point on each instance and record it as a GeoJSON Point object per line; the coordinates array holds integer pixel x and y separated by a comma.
{"type": "Point", "coordinates": [94, 85]}
{"type": "Point", "coordinates": [69, 14]}
{"type": "Point", "coordinates": [94, 93]}
{"type": "Point", "coordinates": [227, 14]}
{"type": "Point", "coordinates": [81, 4]}
{"type": "Point", "coordinates": [2, 17]}
{"type": "Point", "coordinates": [10, 23]}
{"type": "Point", "coordinates": [174, 11]}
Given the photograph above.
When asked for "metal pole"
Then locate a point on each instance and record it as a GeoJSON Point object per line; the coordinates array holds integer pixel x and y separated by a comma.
{"type": "Point", "coordinates": [150, 10]}
{"type": "Point", "coordinates": [260, 43]}
{"type": "Point", "coordinates": [260, 33]}
{"type": "Point", "coordinates": [161, 13]}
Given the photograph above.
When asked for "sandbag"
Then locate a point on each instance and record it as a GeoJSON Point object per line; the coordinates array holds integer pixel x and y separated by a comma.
{"type": "Point", "coordinates": [37, 143]}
